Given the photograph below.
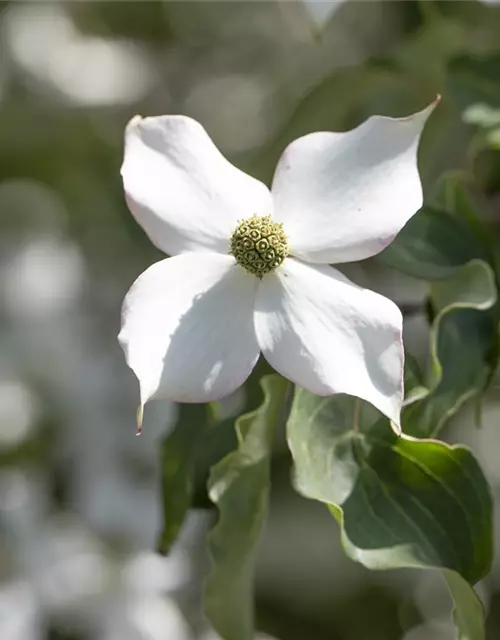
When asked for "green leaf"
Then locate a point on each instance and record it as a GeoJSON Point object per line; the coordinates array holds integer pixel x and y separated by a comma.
{"type": "Point", "coordinates": [177, 460]}
{"type": "Point", "coordinates": [432, 245]}
{"type": "Point", "coordinates": [468, 612]}
{"type": "Point", "coordinates": [200, 439]}
{"type": "Point", "coordinates": [400, 502]}
{"type": "Point", "coordinates": [452, 194]}
{"type": "Point", "coordinates": [447, 244]}
{"type": "Point", "coordinates": [220, 436]}
{"type": "Point", "coordinates": [239, 486]}
{"type": "Point", "coordinates": [413, 379]}
{"type": "Point", "coordinates": [462, 345]}
{"type": "Point", "coordinates": [457, 195]}
{"type": "Point", "coordinates": [444, 235]}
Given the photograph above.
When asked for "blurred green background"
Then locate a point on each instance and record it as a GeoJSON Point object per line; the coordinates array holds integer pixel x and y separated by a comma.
{"type": "Point", "coordinates": [80, 506]}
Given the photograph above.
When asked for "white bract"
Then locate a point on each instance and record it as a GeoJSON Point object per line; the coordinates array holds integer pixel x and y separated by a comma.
{"type": "Point", "coordinates": [195, 323]}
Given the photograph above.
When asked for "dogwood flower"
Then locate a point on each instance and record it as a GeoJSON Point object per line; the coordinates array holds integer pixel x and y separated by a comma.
{"type": "Point", "coordinates": [250, 268]}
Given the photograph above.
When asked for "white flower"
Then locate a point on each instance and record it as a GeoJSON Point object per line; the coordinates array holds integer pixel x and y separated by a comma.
{"type": "Point", "coordinates": [194, 324]}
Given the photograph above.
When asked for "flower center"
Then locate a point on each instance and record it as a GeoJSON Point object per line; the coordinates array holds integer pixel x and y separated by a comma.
{"type": "Point", "coordinates": [259, 245]}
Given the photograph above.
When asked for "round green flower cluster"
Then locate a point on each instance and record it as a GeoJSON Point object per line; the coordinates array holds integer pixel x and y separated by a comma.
{"type": "Point", "coordinates": [259, 245]}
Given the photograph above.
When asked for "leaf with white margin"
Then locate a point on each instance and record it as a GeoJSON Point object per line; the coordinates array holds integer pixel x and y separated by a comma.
{"type": "Point", "coordinates": [400, 502]}
{"type": "Point", "coordinates": [462, 340]}
{"type": "Point", "coordinates": [447, 244]}
{"type": "Point", "coordinates": [468, 612]}
{"type": "Point", "coordinates": [239, 486]}
{"type": "Point", "coordinates": [199, 440]}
